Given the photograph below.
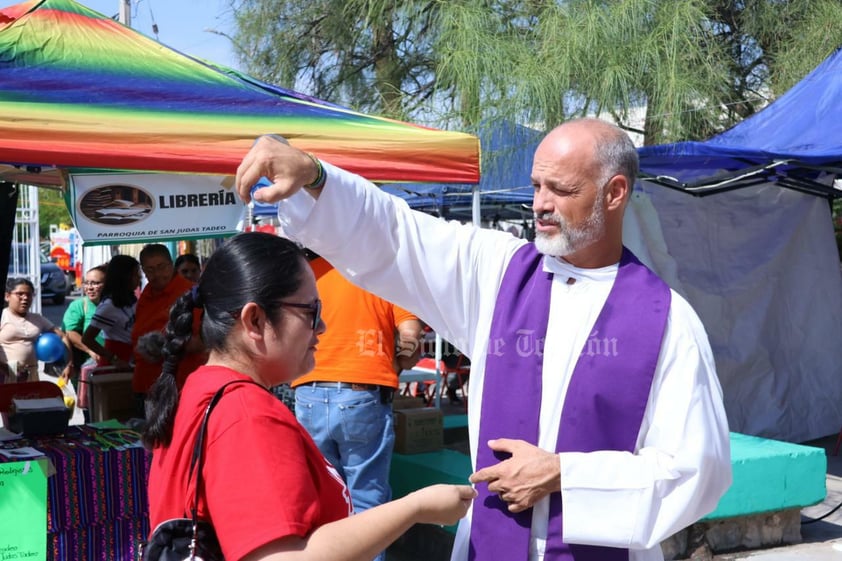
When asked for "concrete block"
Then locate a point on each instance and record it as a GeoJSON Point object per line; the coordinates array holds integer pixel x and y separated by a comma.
{"type": "Point", "coordinates": [771, 475]}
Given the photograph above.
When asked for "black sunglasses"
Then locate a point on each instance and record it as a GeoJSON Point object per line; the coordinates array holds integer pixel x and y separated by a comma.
{"type": "Point", "coordinates": [315, 307]}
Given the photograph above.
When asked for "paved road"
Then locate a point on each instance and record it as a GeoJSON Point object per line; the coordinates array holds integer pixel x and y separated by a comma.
{"type": "Point", "coordinates": [55, 312]}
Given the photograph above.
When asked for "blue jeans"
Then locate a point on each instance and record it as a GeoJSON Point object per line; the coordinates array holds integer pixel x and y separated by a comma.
{"type": "Point", "coordinates": [355, 433]}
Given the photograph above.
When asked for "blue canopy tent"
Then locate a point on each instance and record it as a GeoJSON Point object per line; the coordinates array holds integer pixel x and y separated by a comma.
{"type": "Point", "coordinates": [790, 142]}
{"type": "Point", "coordinates": [758, 260]}
{"type": "Point", "coordinates": [504, 187]}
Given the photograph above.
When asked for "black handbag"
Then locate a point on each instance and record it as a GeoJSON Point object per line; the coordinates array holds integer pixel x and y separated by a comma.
{"type": "Point", "coordinates": [189, 539]}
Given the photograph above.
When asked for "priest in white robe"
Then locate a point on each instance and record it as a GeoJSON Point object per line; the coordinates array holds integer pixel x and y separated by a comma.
{"type": "Point", "coordinates": [598, 326]}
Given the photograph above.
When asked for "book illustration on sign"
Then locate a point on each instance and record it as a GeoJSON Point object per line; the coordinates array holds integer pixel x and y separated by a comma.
{"type": "Point", "coordinates": [125, 209]}
{"type": "Point", "coordinates": [116, 204]}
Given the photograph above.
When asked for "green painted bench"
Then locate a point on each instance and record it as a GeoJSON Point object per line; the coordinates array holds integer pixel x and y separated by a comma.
{"type": "Point", "coordinates": [769, 475]}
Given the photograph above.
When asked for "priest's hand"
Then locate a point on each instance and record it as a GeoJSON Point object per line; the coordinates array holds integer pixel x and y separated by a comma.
{"type": "Point", "coordinates": [286, 167]}
{"type": "Point", "coordinates": [529, 475]}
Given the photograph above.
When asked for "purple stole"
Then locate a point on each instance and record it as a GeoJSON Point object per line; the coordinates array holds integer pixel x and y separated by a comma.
{"type": "Point", "coordinates": [605, 401]}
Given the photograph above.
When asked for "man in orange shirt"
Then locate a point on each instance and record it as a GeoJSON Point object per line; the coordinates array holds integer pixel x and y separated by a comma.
{"type": "Point", "coordinates": [163, 288]}
{"type": "Point", "coordinates": [345, 403]}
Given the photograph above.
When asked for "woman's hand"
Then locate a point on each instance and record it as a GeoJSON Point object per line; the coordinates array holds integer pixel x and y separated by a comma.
{"type": "Point", "coordinates": [363, 535]}
{"type": "Point", "coordinates": [442, 504]}
{"type": "Point", "coordinates": [119, 363]}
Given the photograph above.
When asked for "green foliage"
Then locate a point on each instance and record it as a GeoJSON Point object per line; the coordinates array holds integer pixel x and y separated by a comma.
{"type": "Point", "coordinates": [555, 61]}
{"type": "Point", "coordinates": [807, 40]}
{"type": "Point", "coordinates": [51, 210]}
{"type": "Point", "coordinates": [374, 55]}
{"type": "Point", "coordinates": [696, 66]}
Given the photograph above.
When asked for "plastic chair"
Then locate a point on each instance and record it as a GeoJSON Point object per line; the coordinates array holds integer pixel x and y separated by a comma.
{"type": "Point", "coordinates": [459, 366]}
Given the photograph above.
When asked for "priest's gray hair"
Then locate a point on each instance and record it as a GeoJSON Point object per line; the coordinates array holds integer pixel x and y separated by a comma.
{"type": "Point", "coordinates": [617, 155]}
{"type": "Point", "coordinates": [615, 152]}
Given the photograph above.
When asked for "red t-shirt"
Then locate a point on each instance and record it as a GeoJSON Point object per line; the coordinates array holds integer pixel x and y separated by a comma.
{"type": "Point", "coordinates": [264, 477]}
{"type": "Point", "coordinates": [152, 314]}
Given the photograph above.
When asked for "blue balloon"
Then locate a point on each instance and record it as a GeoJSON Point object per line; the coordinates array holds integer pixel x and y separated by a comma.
{"type": "Point", "coordinates": [49, 347]}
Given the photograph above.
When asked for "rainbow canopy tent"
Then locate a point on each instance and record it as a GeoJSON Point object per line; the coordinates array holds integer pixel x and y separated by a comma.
{"type": "Point", "coordinates": [79, 90]}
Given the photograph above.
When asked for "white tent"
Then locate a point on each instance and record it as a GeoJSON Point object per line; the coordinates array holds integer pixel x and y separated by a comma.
{"type": "Point", "coordinates": [760, 267]}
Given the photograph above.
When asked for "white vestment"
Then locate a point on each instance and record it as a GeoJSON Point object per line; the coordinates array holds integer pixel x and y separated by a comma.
{"type": "Point", "coordinates": [449, 275]}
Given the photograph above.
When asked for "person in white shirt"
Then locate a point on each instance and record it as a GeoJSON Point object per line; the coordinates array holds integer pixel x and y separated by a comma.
{"type": "Point", "coordinates": [115, 314]}
{"type": "Point", "coordinates": [596, 421]}
{"type": "Point", "coordinates": [19, 333]}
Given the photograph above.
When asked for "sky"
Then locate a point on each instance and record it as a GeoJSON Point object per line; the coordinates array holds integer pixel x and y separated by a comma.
{"type": "Point", "coordinates": [182, 24]}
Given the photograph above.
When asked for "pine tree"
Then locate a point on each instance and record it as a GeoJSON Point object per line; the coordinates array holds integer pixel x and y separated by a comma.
{"type": "Point", "coordinates": [697, 66]}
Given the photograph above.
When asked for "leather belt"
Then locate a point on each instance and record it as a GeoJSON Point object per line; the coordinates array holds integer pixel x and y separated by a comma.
{"type": "Point", "coordinates": [387, 394]}
{"type": "Point", "coordinates": [345, 386]}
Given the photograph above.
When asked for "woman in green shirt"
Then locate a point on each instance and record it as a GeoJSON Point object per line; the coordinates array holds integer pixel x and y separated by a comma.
{"type": "Point", "coordinates": [78, 316]}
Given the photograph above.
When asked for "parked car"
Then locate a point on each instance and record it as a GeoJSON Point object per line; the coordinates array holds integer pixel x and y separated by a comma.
{"type": "Point", "coordinates": [54, 283]}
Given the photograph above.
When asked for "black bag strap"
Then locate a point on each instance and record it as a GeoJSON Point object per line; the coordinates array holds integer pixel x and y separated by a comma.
{"type": "Point", "coordinates": [198, 459]}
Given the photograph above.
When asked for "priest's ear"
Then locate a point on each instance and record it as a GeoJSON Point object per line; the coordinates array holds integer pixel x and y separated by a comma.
{"type": "Point", "coordinates": [617, 193]}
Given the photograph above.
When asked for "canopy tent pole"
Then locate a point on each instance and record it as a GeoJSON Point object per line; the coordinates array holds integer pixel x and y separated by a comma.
{"type": "Point", "coordinates": [125, 14]}
{"type": "Point", "coordinates": [8, 208]}
{"type": "Point", "coordinates": [477, 221]}
{"type": "Point", "coordinates": [439, 372]}
{"type": "Point", "coordinates": [476, 215]}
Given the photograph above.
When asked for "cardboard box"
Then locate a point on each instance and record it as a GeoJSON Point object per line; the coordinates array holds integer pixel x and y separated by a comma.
{"type": "Point", "coordinates": [407, 402]}
{"type": "Point", "coordinates": [111, 396]}
{"type": "Point", "coordinates": [418, 430]}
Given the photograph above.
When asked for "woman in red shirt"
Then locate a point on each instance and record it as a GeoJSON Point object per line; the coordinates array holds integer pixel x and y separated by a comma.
{"type": "Point", "coordinates": [267, 490]}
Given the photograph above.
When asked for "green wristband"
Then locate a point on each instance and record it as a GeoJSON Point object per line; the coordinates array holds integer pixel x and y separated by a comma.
{"type": "Point", "coordinates": [321, 176]}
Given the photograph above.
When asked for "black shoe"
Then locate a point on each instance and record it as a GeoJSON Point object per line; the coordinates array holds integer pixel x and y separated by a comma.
{"type": "Point", "coordinates": [451, 395]}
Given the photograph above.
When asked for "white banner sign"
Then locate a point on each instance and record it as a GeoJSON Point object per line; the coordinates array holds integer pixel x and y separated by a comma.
{"type": "Point", "coordinates": [143, 207]}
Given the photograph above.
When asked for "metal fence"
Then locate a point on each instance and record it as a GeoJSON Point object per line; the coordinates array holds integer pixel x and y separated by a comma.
{"type": "Point", "coordinates": [25, 257]}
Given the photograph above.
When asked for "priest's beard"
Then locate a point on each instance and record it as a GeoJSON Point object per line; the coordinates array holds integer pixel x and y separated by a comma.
{"type": "Point", "coordinates": [570, 239]}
